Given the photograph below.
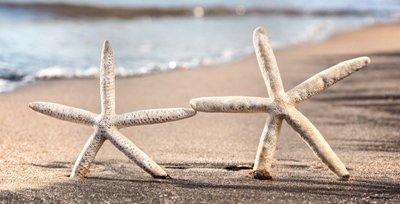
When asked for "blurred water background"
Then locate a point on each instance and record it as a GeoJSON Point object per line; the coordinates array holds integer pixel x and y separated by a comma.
{"type": "Point", "coordinates": [55, 39]}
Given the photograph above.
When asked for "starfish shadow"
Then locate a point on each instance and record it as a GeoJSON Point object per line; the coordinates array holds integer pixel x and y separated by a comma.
{"type": "Point", "coordinates": [96, 189]}
{"type": "Point", "coordinates": [52, 165]}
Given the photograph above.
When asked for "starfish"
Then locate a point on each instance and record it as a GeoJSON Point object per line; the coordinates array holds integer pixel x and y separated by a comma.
{"type": "Point", "coordinates": [281, 105]}
{"type": "Point", "coordinates": [108, 123]}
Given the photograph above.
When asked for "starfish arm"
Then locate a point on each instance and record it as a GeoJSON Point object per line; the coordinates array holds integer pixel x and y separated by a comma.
{"type": "Point", "coordinates": [107, 80]}
{"type": "Point", "coordinates": [325, 79]}
{"type": "Point", "coordinates": [267, 62]}
{"type": "Point", "coordinates": [147, 117]}
{"type": "Point", "coordinates": [317, 143]}
{"type": "Point", "coordinates": [66, 113]}
{"type": "Point", "coordinates": [266, 147]}
{"type": "Point", "coordinates": [232, 104]}
{"type": "Point", "coordinates": [87, 155]}
{"type": "Point", "coordinates": [135, 154]}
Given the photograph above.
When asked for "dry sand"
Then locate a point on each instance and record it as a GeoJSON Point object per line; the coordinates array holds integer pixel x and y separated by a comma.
{"type": "Point", "coordinates": [359, 116]}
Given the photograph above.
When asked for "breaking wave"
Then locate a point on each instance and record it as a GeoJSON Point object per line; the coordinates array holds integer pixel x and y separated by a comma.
{"type": "Point", "coordinates": [10, 78]}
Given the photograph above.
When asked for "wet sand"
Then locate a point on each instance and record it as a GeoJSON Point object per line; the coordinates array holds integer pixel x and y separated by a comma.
{"type": "Point", "coordinates": [209, 155]}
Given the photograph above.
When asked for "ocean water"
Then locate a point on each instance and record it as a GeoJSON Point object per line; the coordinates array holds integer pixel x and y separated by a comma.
{"type": "Point", "coordinates": [42, 44]}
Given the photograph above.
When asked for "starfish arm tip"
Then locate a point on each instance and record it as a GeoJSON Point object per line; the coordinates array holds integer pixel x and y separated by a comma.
{"type": "Point", "coordinates": [204, 104]}
{"type": "Point", "coordinates": [107, 52]}
{"type": "Point", "coordinates": [366, 59]}
{"type": "Point", "coordinates": [260, 34]}
{"type": "Point", "coordinates": [193, 103]}
{"type": "Point", "coordinates": [345, 177]}
{"type": "Point", "coordinates": [107, 49]}
{"type": "Point", "coordinates": [106, 43]}
{"type": "Point", "coordinates": [32, 105]}
{"type": "Point", "coordinates": [201, 104]}
{"type": "Point", "coordinates": [357, 63]}
{"type": "Point", "coordinates": [259, 30]}
{"type": "Point", "coordinates": [189, 112]}
{"type": "Point", "coordinates": [36, 106]}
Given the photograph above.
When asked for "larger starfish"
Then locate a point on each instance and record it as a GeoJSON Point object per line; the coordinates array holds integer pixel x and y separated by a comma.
{"type": "Point", "coordinates": [281, 105]}
{"type": "Point", "coordinates": [108, 123]}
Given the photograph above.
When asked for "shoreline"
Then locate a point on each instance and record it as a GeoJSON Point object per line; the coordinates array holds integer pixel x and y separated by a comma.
{"type": "Point", "coordinates": [17, 75]}
{"type": "Point", "coordinates": [246, 57]}
{"type": "Point", "coordinates": [358, 116]}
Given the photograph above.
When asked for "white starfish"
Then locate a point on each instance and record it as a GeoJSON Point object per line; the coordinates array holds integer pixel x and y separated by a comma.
{"type": "Point", "coordinates": [107, 124]}
{"type": "Point", "coordinates": [281, 105]}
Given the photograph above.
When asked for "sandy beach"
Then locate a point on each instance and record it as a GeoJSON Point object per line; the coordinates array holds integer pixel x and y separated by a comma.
{"type": "Point", "coordinates": [359, 117]}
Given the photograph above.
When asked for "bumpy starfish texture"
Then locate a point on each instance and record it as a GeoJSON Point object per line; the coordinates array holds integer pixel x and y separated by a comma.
{"type": "Point", "coordinates": [281, 105]}
{"type": "Point", "coordinates": [108, 123]}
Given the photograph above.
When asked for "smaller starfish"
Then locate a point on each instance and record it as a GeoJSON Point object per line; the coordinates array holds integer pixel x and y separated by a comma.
{"type": "Point", "coordinates": [107, 124]}
{"type": "Point", "coordinates": [281, 105]}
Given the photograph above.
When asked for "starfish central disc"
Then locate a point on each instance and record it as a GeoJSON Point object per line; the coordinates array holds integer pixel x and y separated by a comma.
{"type": "Point", "coordinates": [282, 107]}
